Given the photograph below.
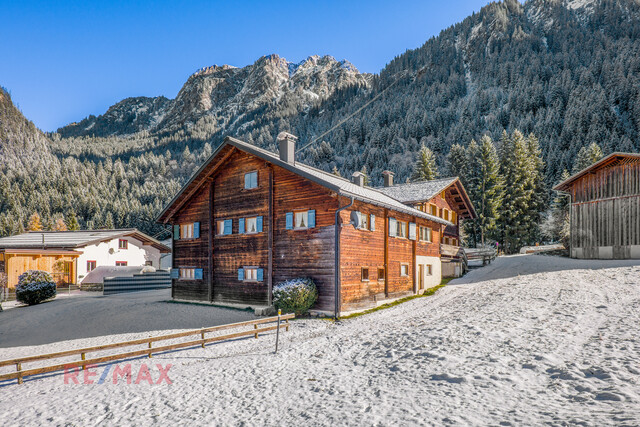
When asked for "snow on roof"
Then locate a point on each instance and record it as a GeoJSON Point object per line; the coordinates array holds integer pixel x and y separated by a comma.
{"type": "Point", "coordinates": [73, 239]}
{"type": "Point", "coordinates": [418, 191]}
{"type": "Point", "coordinates": [335, 183]}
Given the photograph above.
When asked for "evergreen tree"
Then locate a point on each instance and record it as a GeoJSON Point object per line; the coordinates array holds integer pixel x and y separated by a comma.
{"type": "Point", "coordinates": [586, 157]}
{"type": "Point", "coordinates": [72, 222]}
{"type": "Point", "coordinates": [457, 162]}
{"type": "Point", "coordinates": [108, 222]}
{"type": "Point", "coordinates": [60, 225]}
{"type": "Point", "coordinates": [425, 167]}
{"type": "Point", "coordinates": [538, 189]}
{"type": "Point", "coordinates": [561, 223]}
{"type": "Point", "coordinates": [35, 223]}
{"type": "Point", "coordinates": [485, 185]}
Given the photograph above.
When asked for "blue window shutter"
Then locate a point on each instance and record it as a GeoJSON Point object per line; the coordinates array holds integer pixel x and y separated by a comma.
{"type": "Point", "coordinates": [372, 222]}
{"type": "Point", "coordinates": [311, 218]}
{"type": "Point", "coordinates": [241, 225]}
{"type": "Point", "coordinates": [393, 227]}
{"type": "Point", "coordinates": [254, 180]}
{"type": "Point", "coordinates": [175, 273]}
{"type": "Point", "coordinates": [241, 273]}
{"type": "Point", "coordinates": [197, 274]}
{"type": "Point", "coordinates": [260, 275]}
{"type": "Point", "coordinates": [412, 230]}
{"type": "Point", "coordinates": [247, 180]}
{"type": "Point", "coordinates": [176, 232]}
{"type": "Point", "coordinates": [259, 224]}
{"type": "Point", "coordinates": [196, 230]}
{"type": "Point", "coordinates": [289, 220]}
{"type": "Point", "coordinates": [228, 224]}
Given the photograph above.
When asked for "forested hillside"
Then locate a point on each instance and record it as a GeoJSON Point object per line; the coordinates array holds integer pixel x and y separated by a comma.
{"type": "Point", "coordinates": [566, 71]}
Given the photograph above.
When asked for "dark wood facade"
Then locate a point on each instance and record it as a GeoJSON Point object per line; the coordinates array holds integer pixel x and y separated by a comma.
{"type": "Point", "coordinates": [217, 193]}
{"type": "Point", "coordinates": [605, 208]}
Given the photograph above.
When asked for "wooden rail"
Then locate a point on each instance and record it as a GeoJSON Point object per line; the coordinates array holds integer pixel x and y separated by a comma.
{"type": "Point", "coordinates": [20, 374]}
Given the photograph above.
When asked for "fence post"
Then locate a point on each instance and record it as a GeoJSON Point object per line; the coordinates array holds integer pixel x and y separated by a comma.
{"type": "Point", "coordinates": [278, 330]}
{"type": "Point", "coordinates": [149, 348]}
{"type": "Point", "coordinates": [255, 326]}
{"type": "Point", "coordinates": [82, 356]}
{"type": "Point", "coordinates": [19, 369]}
{"type": "Point", "coordinates": [286, 325]}
{"type": "Point", "coordinates": [202, 336]}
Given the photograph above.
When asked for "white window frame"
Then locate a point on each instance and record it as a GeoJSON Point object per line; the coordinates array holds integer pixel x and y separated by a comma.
{"type": "Point", "coordinates": [304, 216]}
{"type": "Point", "coordinates": [429, 270]}
{"type": "Point", "coordinates": [252, 220]}
{"type": "Point", "coordinates": [404, 267]}
{"type": "Point", "coordinates": [187, 273]}
{"type": "Point", "coordinates": [250, 274]}
{"type": "Point", "coordinates": [186, 231]}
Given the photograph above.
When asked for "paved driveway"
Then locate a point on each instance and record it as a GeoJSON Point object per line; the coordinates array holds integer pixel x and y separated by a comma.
{"type": "Point", "coordinates": [87, 315]}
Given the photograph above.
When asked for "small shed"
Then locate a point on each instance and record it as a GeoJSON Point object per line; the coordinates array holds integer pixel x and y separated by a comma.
{"type": "Point", "coordinates": [605, 208]}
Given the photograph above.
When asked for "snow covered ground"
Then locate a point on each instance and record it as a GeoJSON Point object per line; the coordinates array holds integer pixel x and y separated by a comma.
{"type": "Point", "coordinates": [528, 340]}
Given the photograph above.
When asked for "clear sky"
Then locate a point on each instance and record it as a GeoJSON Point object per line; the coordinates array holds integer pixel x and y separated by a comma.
{"type": "Point", "coordinates": [63, 60]}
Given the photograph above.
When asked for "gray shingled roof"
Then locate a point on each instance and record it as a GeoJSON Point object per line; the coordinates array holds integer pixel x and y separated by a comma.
{"type": "Point", "coordinates": [418, 191]}
{"type": "Point", "coordinates": [71, 239]}
{"type": "Point", "coordinates": [338, 184]}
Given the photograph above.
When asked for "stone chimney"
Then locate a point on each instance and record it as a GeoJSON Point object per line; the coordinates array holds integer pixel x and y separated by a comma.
{"type": "Point", "coordinates": [287, 147]}
{"type": "Point", "coordinates": [358, 179]}
{"type": "Point", "coordinates": [388, 178]}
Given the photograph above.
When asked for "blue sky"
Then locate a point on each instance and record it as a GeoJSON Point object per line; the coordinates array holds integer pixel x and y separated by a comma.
{"type": "Point", "coordinates": [62, 61]}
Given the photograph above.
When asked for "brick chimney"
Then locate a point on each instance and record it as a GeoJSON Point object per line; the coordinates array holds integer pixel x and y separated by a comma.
{"type": "Point", "coordinates": [388, 178]}
{"type": "Point", "coordinates": [287, 147]}
{"type": "Point", "coordinates": [358, 179]}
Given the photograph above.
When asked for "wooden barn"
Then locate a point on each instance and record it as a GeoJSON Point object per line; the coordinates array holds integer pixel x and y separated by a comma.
{"type": "Point", "coordinates": [445, 198]}
{"type": "Point", "coordinates": [605, 208]}
{"type": "Point", "coordinates": [249, 219]}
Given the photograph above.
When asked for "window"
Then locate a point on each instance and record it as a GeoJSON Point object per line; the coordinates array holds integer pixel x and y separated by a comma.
{"type": "Point", "coordinates": [441, 213]}
{"type": "Point", "coordinates": [186, 231]}
{"type": "Point", "coordinates": [123, 244]}
{"type": "Point", "coordinates": [364, 274]}
{"type": "Point", "coordinates": [404, 269]}
{"type": "Point", "coordinates": [121, 263]}
{"type": "Point", "coordinates": [251, 274]}
{"type": "Point", "coordinates": [425, 234]}
{"type": "Point", "coordinates": [91, 265]}
{"type": "Point", "coordinates": [429, 270]}
{"type": "Point", "coordinates": [187, 273]}
{"type": "Point", "coordinates": [380, 273]}
{"type": "Point", "coordinates": [401, 230]}
{"type": "Point", "coordinates": [446, 241]}
{"type": "Point", "coordinates": [252, 225]}
{"type": "Point", "coordinates": [224, 227]}
{"type": "Point", "coordinates": [446, 214]}
{"type": "Point", "coordinates": [251, 180]}
{"type": "Point", "coordinates": [364, 221]}
{"type": "Point", "coordinates": [434, 210]}
{"type": "Point", "coordinates": [301, 219]}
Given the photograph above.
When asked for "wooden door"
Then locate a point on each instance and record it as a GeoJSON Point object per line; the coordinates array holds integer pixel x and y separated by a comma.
{"type": "Point", "coordinates": [420, 276]}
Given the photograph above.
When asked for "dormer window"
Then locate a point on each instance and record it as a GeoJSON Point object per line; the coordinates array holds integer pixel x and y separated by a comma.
{"type": "Point", "coordinates": [123, 244]}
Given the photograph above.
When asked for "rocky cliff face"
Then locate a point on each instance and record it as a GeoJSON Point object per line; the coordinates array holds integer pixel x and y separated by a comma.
{"type": "Point", "coordinates": [224, 94]}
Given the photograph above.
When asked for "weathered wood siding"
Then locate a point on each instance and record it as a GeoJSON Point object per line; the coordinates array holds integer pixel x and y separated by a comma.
{"type": "Point", "coordinates": [365, 248]}
{"type": "Point", "coordinates": [310, 252]}
{"type": "Point", "coordinates": [449, 203]}
{"type": "Point", "coordinates": [193, 253]}
{"type": "Point", "coordinates": [605, 213]}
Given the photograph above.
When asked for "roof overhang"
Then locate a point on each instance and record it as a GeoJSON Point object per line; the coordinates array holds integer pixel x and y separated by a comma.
{"type": "Point", "coordinates": [205, 172]}
{"type": "Point", "coordinates": [612, 159]}
{"type": "Point", "coordinates": [34, 252]}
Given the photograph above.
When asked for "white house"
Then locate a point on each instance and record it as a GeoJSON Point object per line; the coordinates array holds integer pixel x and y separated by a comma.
{"type": "Point", "coordinates": [91, 249]}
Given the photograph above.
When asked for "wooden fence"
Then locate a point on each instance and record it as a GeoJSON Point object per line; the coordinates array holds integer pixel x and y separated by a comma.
{"type": "Point", "coordinates": [148, 351]}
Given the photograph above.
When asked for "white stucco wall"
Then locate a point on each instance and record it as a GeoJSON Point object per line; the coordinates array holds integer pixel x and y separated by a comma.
{"type": "Point", "coordinates": [107, 253]}
{"type": "Point", "coordinates": [436, 271]}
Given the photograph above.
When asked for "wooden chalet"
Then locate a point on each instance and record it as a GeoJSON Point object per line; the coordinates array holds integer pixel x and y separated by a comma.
{"type": "Point", "coordinates": [445, 198]}
{"type": "Point", "coordinates": [605, 208]}
{"type": "Point", "coordinates": [249, 219]}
